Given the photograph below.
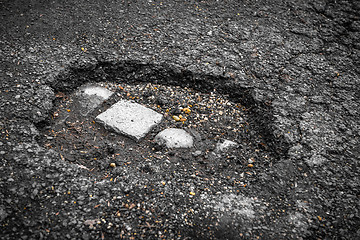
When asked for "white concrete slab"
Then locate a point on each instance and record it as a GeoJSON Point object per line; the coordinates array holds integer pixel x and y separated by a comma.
{"type": "Point", "coordinates": [174, 138]}
{"type": "Point", "coordinates": [130, 118]}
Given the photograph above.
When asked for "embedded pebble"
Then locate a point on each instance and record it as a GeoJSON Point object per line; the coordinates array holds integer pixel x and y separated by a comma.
{"type": "Point", "coordinates": [97, 91]}
{"type": "Point", "coordinates": [225, 145]}
{"type": "Point", "coordinates": [174, 138]}
{"type": "Point", "coordinates": [197, 153]}
{"type": "Point", "coordinates": [315, 159]}
{"type": "Point", "coordinates": [91, 96]}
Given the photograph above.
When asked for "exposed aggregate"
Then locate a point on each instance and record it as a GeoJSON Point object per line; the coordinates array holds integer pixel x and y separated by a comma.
{"type": "Point", "coordinates": [136, 168]}
{"type": "Point", "coordinates": [299, 61]}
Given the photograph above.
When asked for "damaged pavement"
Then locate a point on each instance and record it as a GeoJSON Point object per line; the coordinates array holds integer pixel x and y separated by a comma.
{"type": "Point", "coordinates": [267, 91]}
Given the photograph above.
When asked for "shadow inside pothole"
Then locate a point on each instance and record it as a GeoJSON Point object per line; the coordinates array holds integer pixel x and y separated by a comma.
{"type": "Point", "coordinates": [210, 115]}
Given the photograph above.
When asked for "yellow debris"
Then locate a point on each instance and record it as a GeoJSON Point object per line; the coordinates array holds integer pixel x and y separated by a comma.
{"type": "Point", "coordinates": [186, 110]}
{"type": "Point", "coordinates": [112, 165]}
{"type": "Point", "coordinates": [192, 193]}
{"type": "Point", "coordinates": [176, 118]}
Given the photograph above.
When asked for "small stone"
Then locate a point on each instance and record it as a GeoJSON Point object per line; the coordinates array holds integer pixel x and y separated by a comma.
{"type": "Point", "coordinates": [176, 118]}
{"type": "Point", "coordinates": [316, 159]}
{"type": "Point", "coordinates": [174, 138]}
{"type": "Point", "coordinates": [186, 110]}
{"type": "Point", "coordinates": [197, 153]}
{"type": "Point", "coordinates": [182, 119]}
{"type": "Point", "coordinates": [102, 92]}
{"type": "Point", "coordinates": [91, 96]}
{"type": "Point", "coordinates": [225, 145]}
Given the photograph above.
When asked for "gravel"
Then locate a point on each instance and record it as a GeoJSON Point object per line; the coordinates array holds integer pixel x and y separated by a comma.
{"type": "Point", "coordinates": [281, 79]}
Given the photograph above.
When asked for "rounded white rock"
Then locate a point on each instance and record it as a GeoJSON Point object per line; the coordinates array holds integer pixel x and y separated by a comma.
{"type": "Point", "coordinates": [174, 138]}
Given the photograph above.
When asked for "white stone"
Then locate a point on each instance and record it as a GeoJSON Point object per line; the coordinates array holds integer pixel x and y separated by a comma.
{"type": "Point", "coordinates": [90, 97]}
{"type": "Point", "coordinates": [225, 145]}
{"type": "Point", "coordinates": [316, 159]}
{"type": "Point", "coordinates": [174, 138]}
{"type": "Point", "coordinates": [130, 118]}
{"type": "Point", "coordinates": [102, 92]}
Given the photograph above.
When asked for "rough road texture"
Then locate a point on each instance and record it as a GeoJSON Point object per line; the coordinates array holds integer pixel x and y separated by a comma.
{"type": "Point", "coordinates": [294, 64]}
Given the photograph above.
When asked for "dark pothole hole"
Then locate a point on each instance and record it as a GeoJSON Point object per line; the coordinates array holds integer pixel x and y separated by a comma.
{"type": "Point", "coordinates": [219, 109]}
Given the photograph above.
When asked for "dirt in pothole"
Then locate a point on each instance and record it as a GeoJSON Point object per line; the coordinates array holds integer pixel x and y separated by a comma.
{"type": "Point", "coordinates": [209, 117]}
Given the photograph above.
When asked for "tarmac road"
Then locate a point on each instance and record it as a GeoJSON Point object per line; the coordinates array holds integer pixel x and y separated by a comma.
{"type": "Point", "coordinates": [292, 65]}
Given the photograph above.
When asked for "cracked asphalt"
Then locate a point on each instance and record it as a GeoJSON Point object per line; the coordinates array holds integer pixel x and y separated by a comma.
{"type": "Point", "coordinates": [292, 65]}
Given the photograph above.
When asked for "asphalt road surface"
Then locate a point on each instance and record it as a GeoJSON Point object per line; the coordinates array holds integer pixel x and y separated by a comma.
{"type": "Point", "coordinates": [280, 79]}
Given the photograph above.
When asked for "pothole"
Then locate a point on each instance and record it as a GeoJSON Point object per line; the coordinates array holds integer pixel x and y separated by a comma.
{"type": "Point", "coordinates": [227, 152]}
{"type": "Point", "coordinates": [228, 144]}
{"type": "Point", "coordinates": [211, 118]}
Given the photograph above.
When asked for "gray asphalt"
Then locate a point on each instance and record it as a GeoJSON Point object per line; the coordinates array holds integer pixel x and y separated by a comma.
{"type": "Point", "coordinates": [293, 64]}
